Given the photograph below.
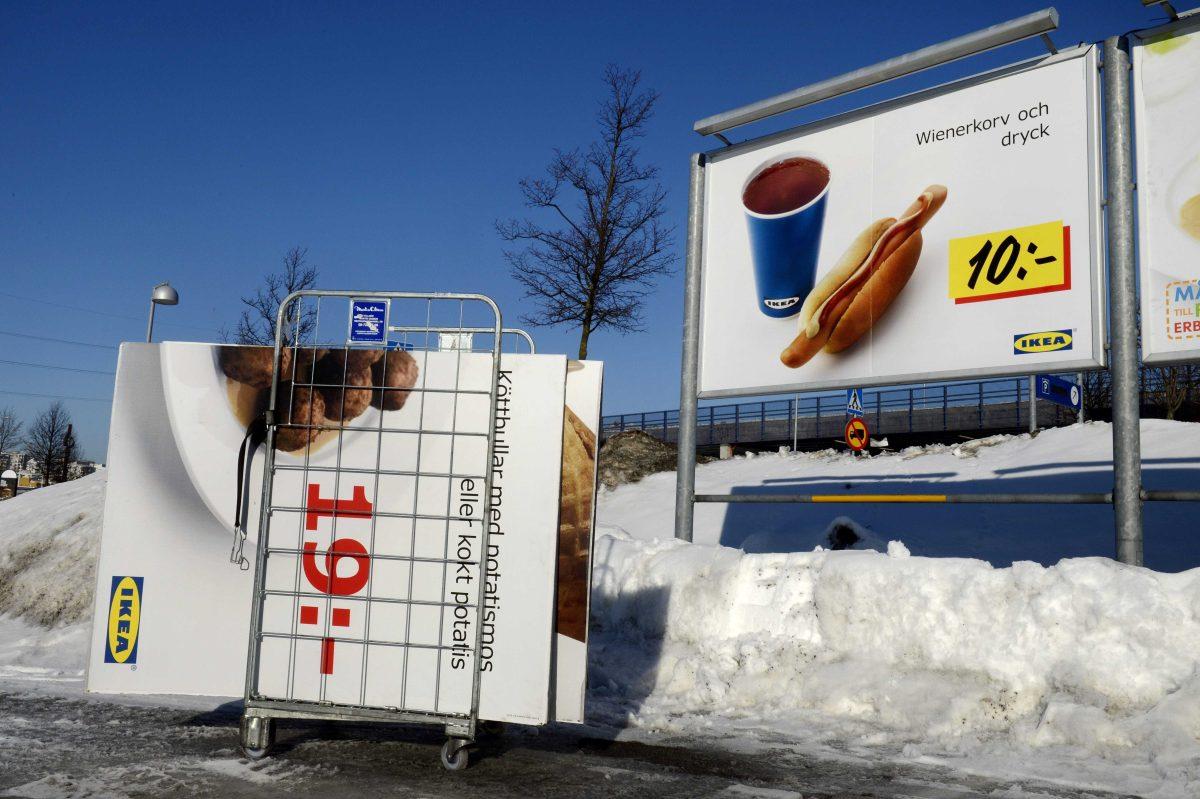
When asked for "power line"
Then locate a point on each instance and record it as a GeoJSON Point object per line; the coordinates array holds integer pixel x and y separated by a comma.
{"type": "Point", "coordinates": [55, 396]}
{"type": "Point", "coordinates": [54, 366]}
{"type": "Point", "coordinates": [58, 340]}
{"type": "Point", "coordinates": [100, 313]}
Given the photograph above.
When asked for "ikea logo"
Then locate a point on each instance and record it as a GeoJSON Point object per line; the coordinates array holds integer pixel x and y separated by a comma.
{"type": "Point", "coordinates": [124, 620]}
{"type": "Point", "coordinates": [1045, 341]}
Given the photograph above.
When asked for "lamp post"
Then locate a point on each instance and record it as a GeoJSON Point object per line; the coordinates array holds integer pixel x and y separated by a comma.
{"type": "Point", "coordinates": [163, 295]}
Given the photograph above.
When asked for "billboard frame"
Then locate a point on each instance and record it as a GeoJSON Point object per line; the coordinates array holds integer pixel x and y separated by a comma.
{"type": "Point", "coordinates": [1095, 241]}
{"type": "Point", "coordinates": [1113, 158]}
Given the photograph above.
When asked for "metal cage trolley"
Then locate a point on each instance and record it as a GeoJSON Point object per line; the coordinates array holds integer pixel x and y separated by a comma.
{"type": "Point", "coordinates": [370, 570]}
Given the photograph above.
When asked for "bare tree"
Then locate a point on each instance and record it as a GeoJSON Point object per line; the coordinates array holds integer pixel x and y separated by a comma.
{"type": "Point", "coordinates": [68, 453]}
{"type": "Point", "coordinates": [44, 442]}
{"type": "Point", "coordinates": [593, 262]}
{"type": "Point", "coordinates": [1097, 393]}
{"type": "Point", "coordinates": [10, 431]}
{"type": "Point", "coordinates": [1173, 386]}
{"type": "Point", "coordinates": [257, 323]}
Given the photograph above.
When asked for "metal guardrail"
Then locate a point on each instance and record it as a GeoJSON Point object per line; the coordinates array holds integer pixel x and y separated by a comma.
{"type": "Point", "coordinates": [994, 404]}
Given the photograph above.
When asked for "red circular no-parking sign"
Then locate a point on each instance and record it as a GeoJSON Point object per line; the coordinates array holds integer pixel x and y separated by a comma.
{"type": "Point", "coordinates": [857, 434]}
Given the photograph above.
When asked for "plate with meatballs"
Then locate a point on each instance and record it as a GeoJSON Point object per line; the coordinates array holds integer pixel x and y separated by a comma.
{"type": "Point", "coordinates": [214, 392]}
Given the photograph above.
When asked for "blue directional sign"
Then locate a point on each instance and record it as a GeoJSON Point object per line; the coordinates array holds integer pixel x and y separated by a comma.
{"type": "Point", "coordinates": [1057, 390]}
{"type": "Point", "coordinates": [854, 402]}
{"type": "Point", "coordinates": [368, 321]}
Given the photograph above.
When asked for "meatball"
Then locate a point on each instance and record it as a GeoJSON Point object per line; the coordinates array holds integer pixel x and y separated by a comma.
{"type": "Point", "coordinates": [345, 367]}
{"type": "Point", "coordinates": [250, 365]}
{"type": "Point", "coordinates": [398, 370]}
{"type": "Point", "coordinates": [335, 364]}
{"type": "Point", "coordinates": [306, 360]}
{"type": "Point", "coordinates": [307, 408]}
{"type": "Point", "coordinates": [345, 404]}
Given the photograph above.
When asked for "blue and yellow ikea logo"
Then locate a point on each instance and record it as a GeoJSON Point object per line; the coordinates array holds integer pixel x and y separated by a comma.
{"type": "Point", "coordinates": [124, 620]}
{"type": "Point", "coordinates": [1045, 341]}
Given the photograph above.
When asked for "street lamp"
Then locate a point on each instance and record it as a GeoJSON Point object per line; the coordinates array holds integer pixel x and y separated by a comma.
{"type": "Point", "coordinates": [163, 295]}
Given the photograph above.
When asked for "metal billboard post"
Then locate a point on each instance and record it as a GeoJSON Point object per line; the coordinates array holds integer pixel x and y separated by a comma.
{"type": "Point", "coordinates": [1127, 465]}
{"type": "Point", "coordinates": [685, 475]}
{"type": "Point", "coordinates": [1032, 404]}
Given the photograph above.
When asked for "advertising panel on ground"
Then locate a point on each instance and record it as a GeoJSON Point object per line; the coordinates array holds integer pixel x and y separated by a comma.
{"type": "Point", "coordinates": [951, 233]}
{"type": "Point", "coordinates": [1166, 104]}
{"type": "Point", "coordinates": [375, 622]}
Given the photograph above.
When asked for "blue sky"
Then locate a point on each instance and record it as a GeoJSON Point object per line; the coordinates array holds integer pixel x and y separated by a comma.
{"type": "Point", "coordinates": [196, 143]}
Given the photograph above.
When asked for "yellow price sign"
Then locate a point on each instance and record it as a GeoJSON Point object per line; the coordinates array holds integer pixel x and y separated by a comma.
{"type": "Point", "coordinates": [1011, 263]}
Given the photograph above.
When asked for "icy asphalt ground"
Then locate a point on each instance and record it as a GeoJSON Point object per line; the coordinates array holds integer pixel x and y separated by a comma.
{"type": "Point", "coordinates": [63, 745]}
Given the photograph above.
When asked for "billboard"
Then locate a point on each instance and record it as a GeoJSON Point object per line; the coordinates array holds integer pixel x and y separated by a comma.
{"type": "Point", "coordinates": [951, 233]}
{"type": "Point", "coordinates": [174, 613]}
{"type": "Point", "coordinates": [1166, 103]}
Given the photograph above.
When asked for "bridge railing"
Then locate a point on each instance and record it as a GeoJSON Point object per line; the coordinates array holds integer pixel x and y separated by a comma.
{"type": "Point", "coordinates": [993, 404]}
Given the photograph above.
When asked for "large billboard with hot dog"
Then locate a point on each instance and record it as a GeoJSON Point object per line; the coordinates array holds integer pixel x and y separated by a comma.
{"type": "Point", "coordinates": [952, 233]}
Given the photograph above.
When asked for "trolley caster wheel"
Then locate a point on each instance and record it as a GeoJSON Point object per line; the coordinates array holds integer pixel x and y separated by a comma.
{"type": "Point", "coordinates": [257, 737]}
{"type": "Point", "coordinates": [455, 755]}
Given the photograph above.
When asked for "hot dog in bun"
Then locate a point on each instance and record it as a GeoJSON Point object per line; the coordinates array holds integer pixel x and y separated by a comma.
{"type": "Point", "coordinates": [847, 302]}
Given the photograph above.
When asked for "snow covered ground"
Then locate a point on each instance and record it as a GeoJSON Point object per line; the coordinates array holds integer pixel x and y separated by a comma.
{"type": "Point", "coordinates": [1084, 673]}
{"type": "Point", "coordinates": [1003, 660]}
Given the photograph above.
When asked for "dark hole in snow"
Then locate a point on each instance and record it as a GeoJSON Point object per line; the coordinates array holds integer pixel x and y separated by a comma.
{"type": "Point", "coordinates": [842, 536]}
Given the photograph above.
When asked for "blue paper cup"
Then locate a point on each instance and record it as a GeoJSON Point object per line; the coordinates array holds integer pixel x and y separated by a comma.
{"type": "Point", "coordinates": [784, 247]}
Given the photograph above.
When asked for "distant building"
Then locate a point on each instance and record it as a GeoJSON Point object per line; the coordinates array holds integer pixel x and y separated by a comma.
{"type": "Point", "coordinates": [12, 460]}
{"type": "Point", "coordinates": [28, 475]}
{"type": "Point", "coordinates": [82, 469]}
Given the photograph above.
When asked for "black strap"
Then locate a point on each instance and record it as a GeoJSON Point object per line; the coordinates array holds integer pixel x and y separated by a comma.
{"type": "Point", "coordinates": [256, 434]}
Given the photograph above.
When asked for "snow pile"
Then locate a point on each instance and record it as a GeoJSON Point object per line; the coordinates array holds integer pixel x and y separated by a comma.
{"type": "Point", "coordinates": [1014, 652]}
{"type": "Point", "coordinates": [918, 654]}
{"type": "Point", "coordinates": [34, 655]}
{"type": "Point", "coordinates": [49, 543]}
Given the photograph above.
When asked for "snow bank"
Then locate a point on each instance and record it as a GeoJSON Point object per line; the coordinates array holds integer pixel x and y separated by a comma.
{"type": "Point", "coordinates": [890, 649]}
{"type": "Point", "coordinates": [34, 655]}
{"type": "Point", "coordinates": [49, 543]}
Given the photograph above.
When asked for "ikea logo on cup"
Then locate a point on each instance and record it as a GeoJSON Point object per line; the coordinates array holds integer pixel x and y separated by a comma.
{"type": "Point", "coordinates": [124, 620]}
{"type": "Point", "coordinates": [1045, 341]}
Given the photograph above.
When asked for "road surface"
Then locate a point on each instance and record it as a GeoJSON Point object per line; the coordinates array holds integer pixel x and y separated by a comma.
{"type": "Point", "coordinates": [71, 746]}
